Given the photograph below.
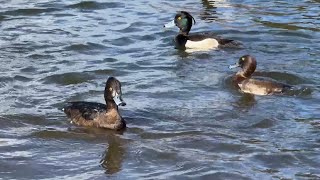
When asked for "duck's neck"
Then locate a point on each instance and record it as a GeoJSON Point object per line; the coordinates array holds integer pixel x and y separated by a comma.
{"type": "Point", "coordinates": [247, 71]}
{"type": "Point", "coordinates": [111, 104]}
{"type": "Point", "coordinates": [180, 41]}
{"type": "Point", "coordinates": [182, 32]}
{"type": "Point", "coordinates": [239, 77]}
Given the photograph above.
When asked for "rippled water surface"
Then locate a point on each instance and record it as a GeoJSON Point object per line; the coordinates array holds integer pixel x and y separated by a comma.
{"type": "Point", "coordinates": [184, 118]}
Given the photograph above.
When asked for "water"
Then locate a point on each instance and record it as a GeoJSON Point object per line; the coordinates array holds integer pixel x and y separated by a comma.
{"type": "Point", "coordinates": [184, 118]}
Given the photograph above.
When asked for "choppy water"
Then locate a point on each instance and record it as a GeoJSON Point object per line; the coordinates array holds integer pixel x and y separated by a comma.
{"type": "Point", "coordinates": [184, 118]}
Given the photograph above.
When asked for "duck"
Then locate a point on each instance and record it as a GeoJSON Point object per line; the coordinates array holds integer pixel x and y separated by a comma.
{"type": "Point", "coordinates": [256, 86]}
{"type": "Point", "coordinates": [202, 41]}
{"type": "Point", "coordinates": [92, 114]}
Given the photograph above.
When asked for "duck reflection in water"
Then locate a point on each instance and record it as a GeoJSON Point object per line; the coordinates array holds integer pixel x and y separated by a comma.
{"type": "Point", "coordinates": [113, 156]}
{"type": "Point", "coordinates": [209, 12]}
{"type": "Point", "coordinates": [245, 102]}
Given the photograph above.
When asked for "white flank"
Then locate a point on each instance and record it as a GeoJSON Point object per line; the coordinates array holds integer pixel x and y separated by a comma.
{"type": "Point", "coordinates": [253, 90]}
{"type": "Point", "coordinates": [206, 44]}
{"type": "Point", "coordinates": [257, 90]}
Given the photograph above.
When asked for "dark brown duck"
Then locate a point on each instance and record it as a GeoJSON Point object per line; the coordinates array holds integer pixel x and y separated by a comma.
{"type": "Point", "coordinates": [98, 114]}
{"type": "Point", "coordinates": [246, 84]}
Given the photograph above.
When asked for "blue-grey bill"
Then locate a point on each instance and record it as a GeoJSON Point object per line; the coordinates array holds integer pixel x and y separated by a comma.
{"type": "Point", "coordinates": [118, 100]}
{"type": "Point", "coordinates": [233, 66]}
{"type": "Point", "coordinates": [170, 24]}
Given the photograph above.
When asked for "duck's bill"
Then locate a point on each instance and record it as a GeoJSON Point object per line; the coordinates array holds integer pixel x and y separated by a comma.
{"type": "Point", "coordinates": [170, 24]}
{"type": "Point", "coordinates": [234, 66]}
{"type": "Point", "coordinates": [118, 100]}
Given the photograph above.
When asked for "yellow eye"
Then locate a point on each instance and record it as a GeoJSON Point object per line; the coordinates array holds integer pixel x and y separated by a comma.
{"type": "Point", "coordinates": [179, 18]}
{"type": "Point", "coordinates": [242, 59]}
{"type": "Point", "coordinates": [110, 89]}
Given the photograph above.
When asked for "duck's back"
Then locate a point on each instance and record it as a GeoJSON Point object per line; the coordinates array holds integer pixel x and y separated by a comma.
{"type": "Point", "coordinates": [85, 110]}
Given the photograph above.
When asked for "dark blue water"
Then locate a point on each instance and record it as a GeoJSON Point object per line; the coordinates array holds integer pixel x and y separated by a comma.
{"type": "Point", "coordinates": [184, 118]}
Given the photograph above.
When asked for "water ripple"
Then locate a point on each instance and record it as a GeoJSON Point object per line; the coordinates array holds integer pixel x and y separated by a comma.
{"type": "Point", "coordinates": [85, 5]}
{"type": "Point", "coordinates": [29, 11]}
{"type": "Point", "coordinates": [185, 119]}
{"type": "Point", "coordinates": [68, 78]}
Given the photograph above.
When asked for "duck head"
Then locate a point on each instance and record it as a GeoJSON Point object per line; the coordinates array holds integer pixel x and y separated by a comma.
{"type": "Point", "coordinates": [247, 64]}
{"type": "Point", "coordinates": [113, 91]}
{"type": "Point", "coordinates": [183, 20]}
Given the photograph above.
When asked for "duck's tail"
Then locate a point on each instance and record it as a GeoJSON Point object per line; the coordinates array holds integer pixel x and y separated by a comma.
{"type": "Point", "coordinates": [230, 43]}
{"type": "Point", "coordinates": [287, 88]}
{"type": "Point", "coordinates": [296, 90]}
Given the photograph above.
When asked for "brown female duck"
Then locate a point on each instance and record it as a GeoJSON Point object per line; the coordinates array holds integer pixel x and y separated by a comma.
{"type": "Point", "coordinates": [246, 84]}
{"type": "Point", "coordinates": [97, 114]}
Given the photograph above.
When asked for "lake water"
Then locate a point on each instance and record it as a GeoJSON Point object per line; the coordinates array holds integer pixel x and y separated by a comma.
{"type": "Point", "coordinates": [184, 118]}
